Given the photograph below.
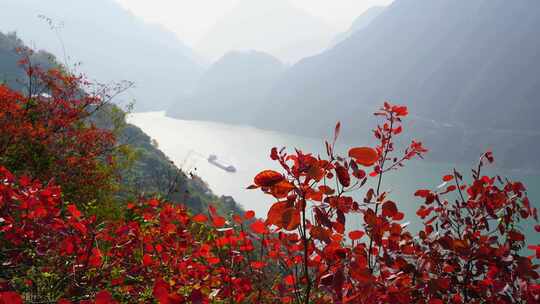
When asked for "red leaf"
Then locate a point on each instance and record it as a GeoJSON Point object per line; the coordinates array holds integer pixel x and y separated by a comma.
{"type": "Point", "coordinates": [283, 216]}
{"type": "Point", "coordinates": [276, 212]}
{"type": "Point", "coordinates": [274, 154]}
{"type": "Point", "coordinates": [314, 195]}
{"type": "Point", "coordinates": [400, 110]}
{"type": "Point", "coordinates": [200, 218]}
{"type": "Point", "coordinates": [104, 297]}
{"type": "Point", "coordinates": [281, 189]}
{"type": "Point", "coordinates": [153, 202]}
{"type": "Point", "coordinates": [326, 190]}
{"type": "Point", "coordinates": [289, 280]}
{"type": "Point", "coordinates": [389, 209]}
{"type": "Point", "coordinates": [10, 297]}
{"type": "Point", "coordinates": [320, 233]}
{"type": "Point", "coordinates": [423, 212]}
{"type": "Point", "coordinates": [364, 156]}
{"type": "Point", "coordinates": [257, 264]}
{"type": "Point", "coordinates": [460, 244]}
{"type": "Point", "coordinates": [448, 178]}
{"type": "Point", "coordinates": [218, 221]}
{"type": "Point", "coordinates": [237, 219]}
{"type": "Point", "coordinates": [147, 260]}
{"type": "Point", "coordinates": [290, 219]}
{"type": "Point", "coordinates": [449, 189]}
{"type": "Point", "coordinates": [316, 172]}
{"type": "Point", "coordinates": [268, 178]}
{"type": "Point", "coordinates": [516, 236]}
{"type": "Point", "coordinates": [74, 211]}
{"type": "Point", "coordinates": [338, 227]}
{"type": "Point", "coordinates": [213, 260]}
{"type": "Point", "coordinates": [258, 227]}
{"type": "Point", "coordinates": [457, 299]}
{"type": "Point", "coordinates": [356, 235]}
{"type": "Point", "coordinates": [398, 216]}
{"type": "Point", "coordinates": [161, 291]}
{"type": "Point", "coordinates": [358, 173]}
{"type": "Point", "coordinates": [343, 176]}
{"type": "Point", "coordinates": [422, 193]}
{"type": "Point", "coordinates": [96, 258]}
{"type": "Point", "coordinates": [249, 214]}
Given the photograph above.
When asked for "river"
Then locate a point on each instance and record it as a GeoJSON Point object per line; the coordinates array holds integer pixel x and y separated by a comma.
{"type": "Point", "coordinates": [189, 143]}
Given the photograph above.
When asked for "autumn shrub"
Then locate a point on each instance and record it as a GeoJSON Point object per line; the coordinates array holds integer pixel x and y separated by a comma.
{"type": "Point", "coordinates": [45, 134]}
{"type": "Point", "coordinates": [47, 246]}
{"type": "Point", "coordinates": [53, 250]}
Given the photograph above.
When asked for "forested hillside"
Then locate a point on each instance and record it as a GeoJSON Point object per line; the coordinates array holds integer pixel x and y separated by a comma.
{"type": "Point", "coordinates": [147, 170]}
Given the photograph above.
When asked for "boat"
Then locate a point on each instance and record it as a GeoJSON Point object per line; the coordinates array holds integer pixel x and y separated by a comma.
{"type": "Point", "coordinates": [213, 159]}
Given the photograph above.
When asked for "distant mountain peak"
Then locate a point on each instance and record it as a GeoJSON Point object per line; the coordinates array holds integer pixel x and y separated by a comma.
{"type": "Point", "coordinates": [467, 70]}
{"type": "Point", "coordinates": [258, 4]}
{"type": "Point", "coordinates": [276, 27]}
{"type": "Point", "coordinates": [231, 89]}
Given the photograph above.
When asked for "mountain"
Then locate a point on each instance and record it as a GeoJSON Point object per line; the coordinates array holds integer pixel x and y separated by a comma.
{"type": "Point", "coordinates": [150, 172]}
{"type": "Point", "coordinates": [275, 27]}
{"type": "Point", "coordinates": [467, 70]}
{"type": "Point", "coordinates": [232, 89]}
{"type": "Point", "coordinates": [359, 23]}
{"type": "Point", "coordinates": [110, 42]}
{"type": "Point", "coordinates": [11, 73]}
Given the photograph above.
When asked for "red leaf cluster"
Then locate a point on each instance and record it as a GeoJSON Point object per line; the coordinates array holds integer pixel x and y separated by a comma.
{"type": "Point", "coordinates": [305, 251]}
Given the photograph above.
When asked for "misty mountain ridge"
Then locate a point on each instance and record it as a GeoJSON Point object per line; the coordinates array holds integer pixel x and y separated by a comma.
{"type": "Point", "coordinates": [231, 88]}
{"type": "Point", "coordinates": [275, 27]}
{"type": "Point", "coordinates": [111, 43]}
{"type": "Point", "coordinates": [467, 69]}
{"type": "Point", "coordinates": [359, 23]}
{"type": "Point", "coordinates": [411, 56]}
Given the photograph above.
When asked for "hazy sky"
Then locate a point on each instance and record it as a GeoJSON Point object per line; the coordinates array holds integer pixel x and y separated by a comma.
{"type": "Point", "coordinates": [191, 19]}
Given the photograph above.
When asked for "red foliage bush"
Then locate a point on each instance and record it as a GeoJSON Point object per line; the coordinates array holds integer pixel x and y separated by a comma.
{"type": "Point", "coordinates": [467, 252]}
{"type": "Point", "coordinates": [45, 133]}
